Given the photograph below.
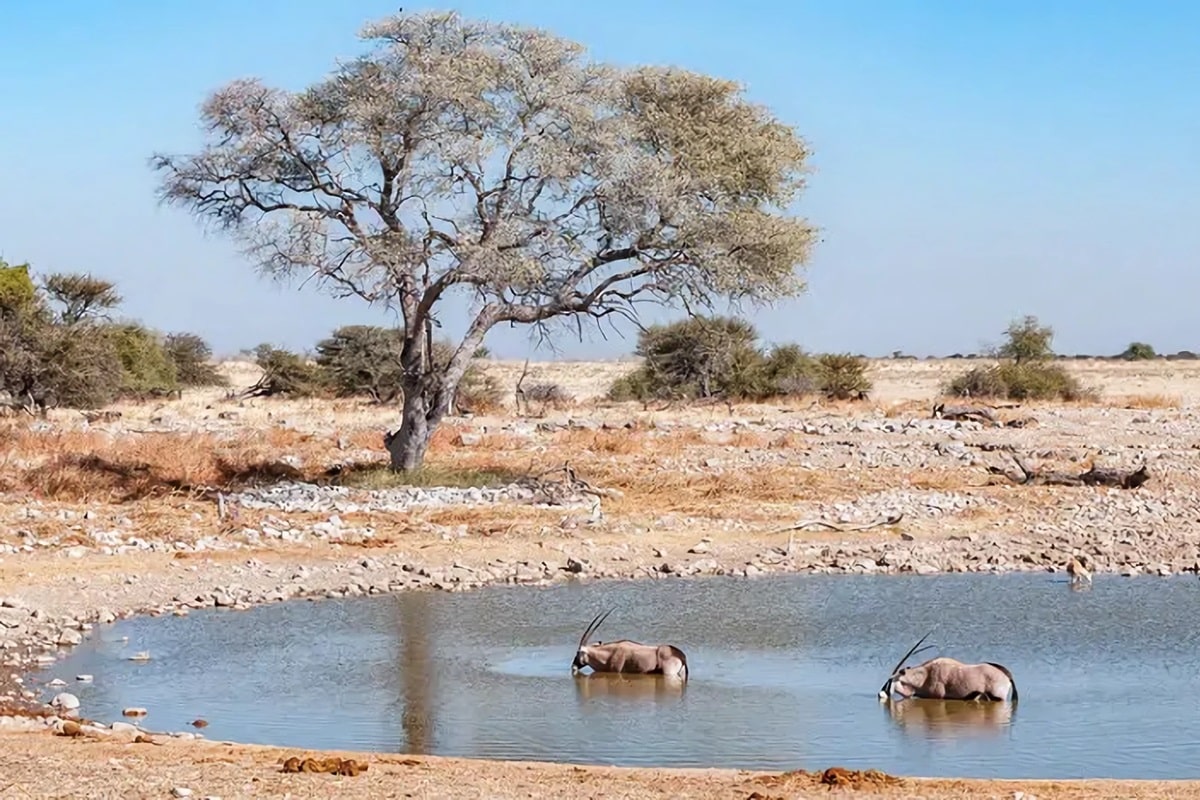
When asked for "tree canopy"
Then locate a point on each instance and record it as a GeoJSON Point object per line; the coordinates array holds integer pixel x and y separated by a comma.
{"type": "Point", "coordinates": [499, 161]}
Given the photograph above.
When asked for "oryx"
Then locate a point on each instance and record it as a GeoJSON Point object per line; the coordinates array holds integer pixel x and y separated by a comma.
{"type": "Point", "coordinates": [1078, 571]}
{"type": "Point", "coordinates": [628, 657]}
{"type": "Point", "coordinates": [949, 679]}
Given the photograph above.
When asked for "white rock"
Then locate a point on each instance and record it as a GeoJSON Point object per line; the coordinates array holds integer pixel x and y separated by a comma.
{"type": "Point", "coordinates": [181, 791]}
{"type": "Point", "coordinates": [84, 678]}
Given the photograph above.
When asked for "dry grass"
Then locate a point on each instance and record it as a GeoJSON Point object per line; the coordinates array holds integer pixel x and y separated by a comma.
{"type": "Point", "coordinates": [1148, 401]}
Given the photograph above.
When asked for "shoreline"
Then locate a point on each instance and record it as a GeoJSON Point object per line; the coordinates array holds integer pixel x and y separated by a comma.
{"type": "Point", "coordinates": [331, 575]}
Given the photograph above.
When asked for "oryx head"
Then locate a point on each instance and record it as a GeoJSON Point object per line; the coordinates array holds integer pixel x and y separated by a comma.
{"type": "Point", "coordinates": [581, 653]}
{"type": "Point", "coordinates": [897, 679]}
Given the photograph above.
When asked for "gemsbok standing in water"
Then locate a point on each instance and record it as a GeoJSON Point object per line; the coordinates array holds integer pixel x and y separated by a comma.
{"type": "Point", "coordinates": [628, 657]}
{"type": "Point", "coordinates": [1080, 574]}
{"type": "Point", "coordinates": [949, 679]}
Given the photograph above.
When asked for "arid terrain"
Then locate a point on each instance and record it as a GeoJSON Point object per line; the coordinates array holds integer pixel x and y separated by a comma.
{"type": "Point", "coordinates": [209, 501]}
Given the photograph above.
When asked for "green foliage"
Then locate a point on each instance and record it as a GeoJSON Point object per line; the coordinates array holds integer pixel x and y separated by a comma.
{"type": "Point", "coordinates": [146, 368]}
{"type": "Point", "coordinates": [699, 357]}
{"type": "Point", "coordinates": [791, 371]}
{"type": "Point", "coordinates": [1138, 351]}
{"type": "Point", "coordinates": [843, 376]}
{"type": "Point", "coordinates": [1026, 373]}
{"type": "Point", "coordinates": [1019, 381]}
{"type": "Point", "coordinates": [287, 373]}
{"type": "Point", "coordinates": [705, 357]}
{"type": "Point", "coordinates": [192, 358]}
{"type": "Point", "coordinates": [1028, 341]}
{"type": "Point", "coordinates": [363, 360]}
{"type": "Point", "coordinates": [17, 290]}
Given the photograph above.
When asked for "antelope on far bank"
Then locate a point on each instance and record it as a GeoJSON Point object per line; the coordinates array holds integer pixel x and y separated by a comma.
{"type": "Point", "coordinates": [628, 657]}
{"type": "Point", "coordinates": [945, 678]}
{"type": "Point", "coordinates": [1078, 572]}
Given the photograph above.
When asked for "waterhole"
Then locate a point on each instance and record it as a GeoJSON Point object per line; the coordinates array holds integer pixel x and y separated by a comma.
{"type": "Point", "coordinates": [784, 674]}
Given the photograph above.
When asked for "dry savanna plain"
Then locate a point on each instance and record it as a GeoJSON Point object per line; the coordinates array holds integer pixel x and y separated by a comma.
{"type": "Point", "coordinates": [210, 500]}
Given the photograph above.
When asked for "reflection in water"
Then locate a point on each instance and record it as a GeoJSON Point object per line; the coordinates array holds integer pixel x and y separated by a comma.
{"type": "Point", "coordinates": [418, 673]}
{"type": "Point", "coordinates": [602, 685]}
{"type": "Point", "coordinates": [950, 718]}
{"type": "Point", "coordinates": [486, 674]}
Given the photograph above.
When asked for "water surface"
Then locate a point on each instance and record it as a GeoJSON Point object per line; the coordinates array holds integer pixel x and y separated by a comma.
{"type": "Point", "coordinates": [784, 674]}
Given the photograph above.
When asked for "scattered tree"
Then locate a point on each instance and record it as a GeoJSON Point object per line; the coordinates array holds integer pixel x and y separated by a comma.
{"type": "Point", "coordinates": [1138, 351]}
{"type": "Point", "coordinates": [1025, 371]}
{"type": "Point", "coordinates": [1028, 340]}
{"type": "Point", "coordinates": [192, 358]}
{"type": "Point", "coordinates": [81, 297]}
{"type": "Point", "coordinates": [499, 161]}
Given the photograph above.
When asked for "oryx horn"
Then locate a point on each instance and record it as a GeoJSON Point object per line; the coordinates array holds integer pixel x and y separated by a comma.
{"type": "Point", "coordinates": [596, 622]}
{"type": "Point", "coordinates": [900, 663]}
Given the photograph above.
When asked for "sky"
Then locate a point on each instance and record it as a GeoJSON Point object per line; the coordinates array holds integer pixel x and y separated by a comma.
{"type": "Point", "coordinates": [973, 162]}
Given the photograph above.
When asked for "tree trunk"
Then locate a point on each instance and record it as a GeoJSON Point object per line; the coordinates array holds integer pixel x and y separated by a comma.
{"type": "Point", "coordinates": [408, 445]}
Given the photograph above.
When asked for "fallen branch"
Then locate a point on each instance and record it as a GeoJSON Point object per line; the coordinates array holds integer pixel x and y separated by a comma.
{"type": "Point", "coordinates": [970, 413]}
{"type": "Point", "coordinates": [563, 491]}
{"type": "Point", "coordinates": [890, 519]}
{"type": "Point", "coordinates": [1095, 476]}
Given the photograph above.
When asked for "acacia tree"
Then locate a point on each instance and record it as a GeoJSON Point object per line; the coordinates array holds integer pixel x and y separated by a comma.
{"type": "Point", "coordinates": [500, 162]}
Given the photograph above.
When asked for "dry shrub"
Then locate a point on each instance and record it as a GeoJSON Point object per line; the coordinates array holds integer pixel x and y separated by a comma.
{"type": "Point", "coordinates": [87, 466]}
{"type": "Point", "coordinates": [1013, 380]}
{"type": "Point", "coordinates": [582, 440]}
{"type": "Point", "coordinates": [1149, 401]}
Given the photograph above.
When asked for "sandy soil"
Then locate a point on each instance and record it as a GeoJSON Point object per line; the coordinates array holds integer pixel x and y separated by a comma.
{"type": "Point", "coordinates": [113, 517]}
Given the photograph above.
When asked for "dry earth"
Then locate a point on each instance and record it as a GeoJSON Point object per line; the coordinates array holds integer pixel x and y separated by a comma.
{"type": "Point", "coordinates": [156, 512]}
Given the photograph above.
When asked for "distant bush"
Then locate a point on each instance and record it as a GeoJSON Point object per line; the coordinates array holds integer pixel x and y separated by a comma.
{"type": "Point", "coordinates": [363, 360]}
{"type": "Point", "coordinates": [700, 357]}
{"type": "Point", "coordinates": [1138, 351]}
{"type": "Point", "coordinates": [705, 357]}
{"type": "Point", "coordinates": [545, 396]}
{"type": "Point", "coordinates": [1027, 340]}
{"type": "Point", "coordinates": [1026, 371]}
{"type": "Point", "coordinates": [843, 377]}
{"type": "Point", "coordinates": [192, 358]}
{"type": "Point", "coordinates": [286, 373]}
{"type": "Point", "coordinates": [1012, 381]}
{"type": "Point", "coordinates": [792, 372]}
{"type": "Point", "coordinates": [146, 368]}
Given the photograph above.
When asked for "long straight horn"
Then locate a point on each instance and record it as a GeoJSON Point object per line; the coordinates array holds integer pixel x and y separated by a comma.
{"type": "Point", "coordinates": [906, 656]}
{"type": "Point", "coordinates": [596, 622]}
{"type": "Point", "coordinates": [900, 663]}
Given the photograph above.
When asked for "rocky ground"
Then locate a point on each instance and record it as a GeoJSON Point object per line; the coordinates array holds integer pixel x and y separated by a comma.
{"type": "Point", "coordinates": [168, 509]}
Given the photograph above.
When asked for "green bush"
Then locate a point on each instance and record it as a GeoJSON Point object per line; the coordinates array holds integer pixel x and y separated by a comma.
{"type": "Point", "coordinates": [146, 368]}
{"type": "Point", "coordinates": [192, 358]}
{"type": "Point", "coordinates": [17, 290]}
{"type": "Point", "coordinates": [287, 373]}
{"type": "Point", "coordinates": [1024, 381]}
{"type": "Point", "coordinates": [718, 357]}
{"type": "Point", "coordinates": [700, 357]}
{"type": "Point", "coordinates": [843, 376]}
{"type": "Point", "coordinates": [1138, 351]}
{"type": "Point", "coordinates": [363, 360]}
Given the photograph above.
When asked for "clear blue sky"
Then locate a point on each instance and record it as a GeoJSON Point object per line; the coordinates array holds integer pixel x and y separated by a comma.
{"type": "Point", "coordinates": [974, 160]}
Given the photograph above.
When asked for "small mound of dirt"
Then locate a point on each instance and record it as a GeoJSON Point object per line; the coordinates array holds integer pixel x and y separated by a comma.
{"type": "Point", "coordinates": [857, 779]}
{"type": "Point", "coordinates": [831, 777]}
{"type": "Point", "coordinates": [332, 765]}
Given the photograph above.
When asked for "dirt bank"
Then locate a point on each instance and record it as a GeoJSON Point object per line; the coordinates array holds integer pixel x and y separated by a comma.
{"type": "Point", "coordinates": [44, 765]}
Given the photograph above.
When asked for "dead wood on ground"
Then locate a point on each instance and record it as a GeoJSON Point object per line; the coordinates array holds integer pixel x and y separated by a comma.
{"type": "Point", "coordinates": [1095, 476]}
